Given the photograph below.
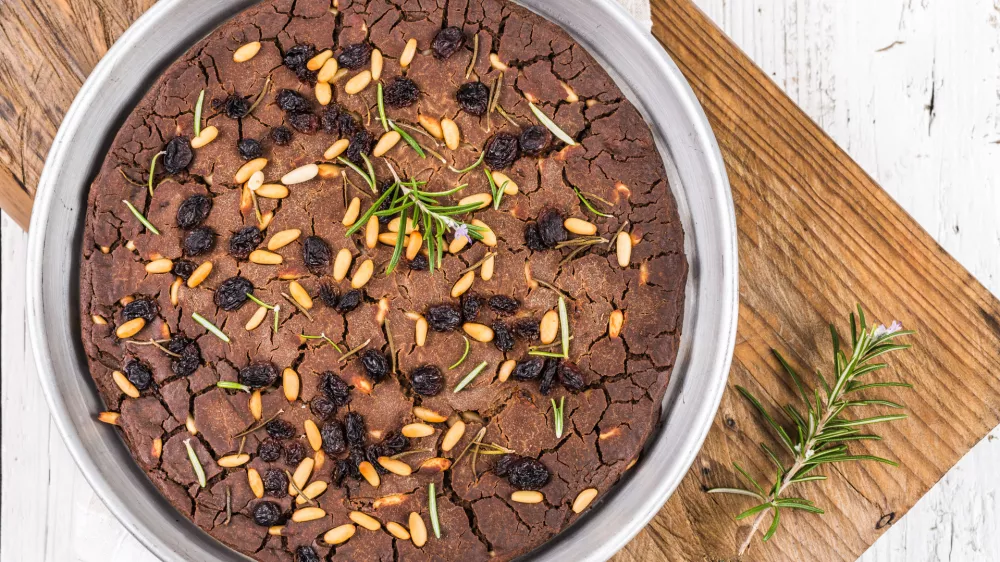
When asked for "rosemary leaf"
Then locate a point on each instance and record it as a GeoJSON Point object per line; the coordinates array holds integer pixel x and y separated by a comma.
{"type": "Point", "coordinates": [409, 139]}
{"type": "Point", "coordinates": [381, 109]}
{"type": "Point", "coordinates": [197, 113]}
{"type": "Point", "coordinates": [550, 125]}
{"type": "Point", "coordinates": [152, 170]}
{"type": "Point", "coordinates": [432, 507]}
{"type": "Point", "coordinates": [564, 326]}
{"type": "Point", "coordinates": [209, 326]}
{"type": "Point", "coordinates": [230, 385]}
{"type": "Point", "coordinates": [149, 226]}
{"type": "Point", "coordinates": [196, 464]}
{"type": "Point", "coordinates": [470, 377]}
{"type": "Point", "coordinates": [464, 354]}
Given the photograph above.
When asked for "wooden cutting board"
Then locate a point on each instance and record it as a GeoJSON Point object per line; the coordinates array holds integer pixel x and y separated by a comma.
{"type": "Point", "coordinates": [816, 236]}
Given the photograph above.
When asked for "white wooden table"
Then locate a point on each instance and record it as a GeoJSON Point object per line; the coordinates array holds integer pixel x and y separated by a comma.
{"type": "Point", "coordinates": [909, 88]}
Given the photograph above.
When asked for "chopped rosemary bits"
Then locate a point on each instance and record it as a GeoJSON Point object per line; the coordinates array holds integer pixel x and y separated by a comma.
{"type": "Point", "coordinates": [550, 125]}
{"type": "Point", "coordinates": [152, 170]}
{"type": "Point", "coordinates": [209, 326]}
{"type": "Point", "coordinates": [381, 109]}
{"type": "Point", "coordinates": [230, 385]}
{"type": "Point", "coordinates": [557, 414]}
{"type": "Point", "coordinates": [433, 508]}
{"type": "Point", "coordinates": [196, 464]}
{"type": "Point", "coordinates": [464, 354]}
{"type": "Point", "coordinates": [409, 140]}
{"type": "Point", "coordinates": [322, 336]}
{"type": "Point", "coordinates": [347, 355]}
{"type": "Point", "coordinates": [149, 226]}
{"type": "Point", "coordinates": [564, 326]}
{"type": "Point", "coordinates": [589, 205]}
{"type": "Point", "coordinates": [197, 113]}
{"type": "Point", "coordinates": [470, 377]}
{"type": "Point", "coordinates": [482, 156]}
{"type": "Point", "coordinates": [370, 180]}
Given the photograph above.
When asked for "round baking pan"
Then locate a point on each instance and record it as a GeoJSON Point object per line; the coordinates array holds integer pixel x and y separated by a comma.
{"type": "Point", "coordinates": [697, 176]}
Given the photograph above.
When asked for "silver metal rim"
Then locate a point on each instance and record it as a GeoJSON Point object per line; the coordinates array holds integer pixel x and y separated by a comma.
{"type": "Point", "coordinates": [696, 171]}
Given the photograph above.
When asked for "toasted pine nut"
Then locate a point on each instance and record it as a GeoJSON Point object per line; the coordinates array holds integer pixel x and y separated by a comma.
{"type": "Point", "coordinates": [324, 93]}
{"type": "Point", "coordinates": [300, 295]}
{"type": "Point", "coordinates": [330, 68]}
{"type": "Point", "coordinates": [453, 436]}
{"type": "Point", "coordinates": [110, 418]}
{"type": "Point", "coordinates": [200, 273]}
{"type": "Point", "coordinates": [130, 328]}
{"type": "Point", "coordinates": [130, 245]}
{"type": "Point", "coordinates": [431, 125]}
{"type": "Point", "coordinates": [371, 232]}
{"type": "Point", "coordinates": [506, 369]}
{"type": "Point", "coordinates": [353, 210]}
{"type": "Point", "coordinates": [272, 191]}
{"type": "Point", "coordinates": [420, 332]}
{"type": "Point", "coordinates": [300, 174]}
{"type": "Point", "coordinates": [503, 181]}
{"type": "Point", "coordinates": [428, 415]}
{"type": "Point", "coordinates": [314, 490]}
{"type": "Point", "coordinates": [580, 226]}
{"type": "Point", "coordinates": [255, 481]}
{"type": "Point", "coordinates": [256, 180]}
{"type": "Point", "coordinates": [301, 476]}
{"type": "Point", "coordinates": [339, 535]}
{"type": "Point", "coordinates": [417, 430]}
{"type": "Point", "coordinates": [175, 291]}
{"type": "Point", "coordinates": [418, 531]}
{"type": "Point", "coordinates": [283, 238]}
{"type": "Point", "coordinates": [452, 136]}
{"type": "Point", "coordinates": [571, 96]}
{"type": "Point", "coordinates": [308, 514]}
{"type": "Point", "coordinates": [246, 199]}
{"type": "Point", "coordinates": [365, 520]}
{"type": "Point", "coordinates": [357, 84]}
{"type": "Point", "coordinates": [156, 450]}
{"type": "Point", "coordinates": [383, 310]}
{"type": "Point", "coordinates": [124, 384]}
{"type": "Point", "coordinates": [463, 284]}
{"type": "Point", "coordinates": [336, 149]}
{"type": "Point", "coordinates": [99, 320]}
{"type": "Point", "coordinates": [319, 60]}
{"type": "Point", "coordinates": [256, 319]}
{"type": "Point", "coordinates": [395, 466]}
{"type": "Point", "coordinates": [549, 327]}
{"type": "Point", "coordinates": [232, 461]}
{"type": "Point", "coordinates": [527, 496]}
{"type": "Point", "coordinates": [583, 499]}
{"type": "Point", "coordinates": [363, 274]}
{"type": "Point", "coordinates": [275, 530]}
{"type": "Point", "coordinates": [263, 257]}
{"type": "Point", "coordinates": [246, 51]}
{"type": "Point", "coordinates": [457, 244]}
{"type": "Point", "coordinates": [409, 51]}
{"type": "Point", "coordinates": [484, 200]}
{"type": "Point", "coordinates": [386, 143]}
{"type": "Point", "coordinates": [189, 424]}
{"type": "Point", "coordinates": [479, 332]}
{"type": "Point", "coordinates": [208, 134]}
{"type": "Point", "coordinates": [414, 244]}
{"type": "Point", "coordinates": [162, 265]}
{"type": "Point", "coordinates": [377, 63]}
{"type": "Point", "coordinates": [397, 530]}
{"type": "Point", "coordinates": [290, 384]}
{"type": "Point", "coordinates": [615, 323]}
{"type": "Point", "coordinates": [624, 246]}
{"type": "Point", "coordinates": [312, 434]}
{"type": "Point", "coordinates": [329, 171]}
{"type": "Point", "coordinates": [369, 473]}
{"type": "Point", "coordinates": [489, 237]}
{"type": "Point", "coordinates": [126, 300]}
{"type": "Point", "coordinates": [487, 270]}
{"type": "Point", "coordinates": [496, 63]}
{"type": "Point", "coordinates": [247, 170]}
{"type": "Point", "coordinates": [342, 264]}
{"type": "Point", "coordinates": [435, 465]}
{"type": "Point", "coordinates": [255, 405]}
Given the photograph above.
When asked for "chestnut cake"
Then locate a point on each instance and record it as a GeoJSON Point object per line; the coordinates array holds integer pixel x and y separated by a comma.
{"type": "Point", "coordinates": [383, 280]}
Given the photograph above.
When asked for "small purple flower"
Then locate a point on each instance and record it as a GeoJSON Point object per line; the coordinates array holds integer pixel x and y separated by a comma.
{"type": "Point", "coordinates": [881, 331]}
{"type": "Point", "coordinates": [461, 231]}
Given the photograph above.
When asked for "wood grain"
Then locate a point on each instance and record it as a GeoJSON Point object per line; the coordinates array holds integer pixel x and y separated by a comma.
{"type": "Point", "coordinates": [816, 235]}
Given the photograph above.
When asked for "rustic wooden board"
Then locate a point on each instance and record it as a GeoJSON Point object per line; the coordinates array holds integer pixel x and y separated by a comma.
{"type": "Point", "coordinates": [816, 235]}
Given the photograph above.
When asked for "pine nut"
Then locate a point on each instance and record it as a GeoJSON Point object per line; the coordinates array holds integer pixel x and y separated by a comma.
{"type": "Point", "coordinates": [365, 520]}
{"type": "Point", "coordinates": [312, 434]}
{"type": "Point", "coordinates": [308, 514]}
{"type": "Point", "coordinates": [457, 244]}
{"type": "Point", "coordinates": [496, 63]}
{"type": "Point", "coordinates": [320, 458]}
{"type": "Point", "coordinates": [357, 84]}
{"type": "Point", "coordinates": [417, 430]}
{"type": "Point", "coordinates": [130, 245]}
{"type": "Point", "coordinates": [110, 418]}
{"type": "Point", "coordinates": [301, 476]}
{"type": "Point", "coordinates": [409, 51]}
{"type": "Point", "coordinates": [389, 238]}
{"type": "Point", "coordinates": [99, 320]}
{"type": "Point", "coordinates": [571, 96]}
{"type": "Point", "coordinates": [386, 143]}
{"type": "Point", "coordinates": [329, 171]}
{"type": "Point", "coordinates": [371, 232]}
{"type": "Point", "coordinates": [484, 200]}
{"type": "Point", "coordinates": [549, 327]}
{"type": "Point", "coordinates": [130, 328]}
{"type": "Point", "coordinates": [479, 332]}
{"type": "Point", "coordinates": [388, 501]}
{"type": "Point", "coordinates": [383, 310]}
{"type": "Point", "coordinates": [336, 149]}
{"type": "Point", "coordinates": [377, 63]}
{"type": "Point", "coordinates": [300, 174]}
{"type": "Point", "coordinates": [190, 426]}
{"type": "Point", "coordinates": [418, 531]}
{"type": "Point", "coordinates": [199, 274]}
{"type": "Point", "coordinates": [290, 384]}
{"type": "Point", "coordinates": [324, 93]}
{"type": "Point", "coordinates": [263, 257]}
{"type": "Point", "coordinates": [247, 170]}
{"type": "Point", "coordinates": [393, 225]}
{"type": "Point", "coordinates": [319, 60]}
{"type": "Point", "coordinates": [453, 436]}
{"type": "Point", "coordinates": [353, 210]}
{"type": "Point", "coordinates": [232, 461]}
{"type": "Point", "coordinates": [414, 244]}
{"type": "Point", "coordinates": [246, 199]}
{"type": "Point", "coordinates": [489, 237]}
{"type": "Point", "coordinates": [487, 271]}
{"type": "Point", "coordinates": [156, 450]}
{"type": "Point", "coordinates": [330, 68]}
{"type": "Point", "coordinates": [339, 535]}
{"type": "Point", "coordinates": [300, 295]}
{"type": "Point", "coordinates": [175, 291]}
{"type": "Point", "coordinates": [527, 496]}
{"type": "Point", "coordinates": [246, 52]}
{"type": "Point", "coordinates": [272, 191]}
{"type": "Point", "coordinates": [624, 246]}
{"type": "Point", "coordinates": [435, 465]}
{"type": "Point", "coordinates": [615, 323]}
{"type": "Point", "coordinates": [463, 284]}
{"type": "Point", "coordinates": [283, 238]}
{"type": "Point", "coordinates": [314, 490]}
{"type": "Point", "coordinates": [124, 384]}
{"type": "Point", "coordinates": [126, 300]}
{"type": "Point", "coordinates": [397, 530]}
{"type": "Point", "coordinates": [452, 136]}
{"type": "Point", "coordinates": [162, 265]}
{"type": "Point", "coordinates": [339, 75]}
{"type": "Point", "coordinates": [431, 125]}
{"type": "Point", "coordinates": [583, 499]}
{"type": "Point", "coordinates": [208, 134]}
{"type": "Point", "coordinates": [428, 415]}
{"type": "Point", "coordinates": [395, 466]}
{"type": "Point", "coordinates": [506, 369]}
{"type": "Point", "coordinates": [256, 483]}
{"type": "Point", "coordinates": [420, 332]}
{"type": "Point", "coordinates": [255, 405]}
{"type": "Point", "coordinates": [503, 181]}
{"type": "Point", "coordinates": [256, 320]}
{"type": "Point", "coordinates": [363, 274]}
{"type": "Point", "coordinates": [369, 473]}
{"type": "Point", "coordinates": [342, 264]}
{"type": "Point", "coordinates": [580, 226]}
{"type": "Point", "coordinates": [256, 180]}
{"type": "Point", "coordinates": [275, 530]}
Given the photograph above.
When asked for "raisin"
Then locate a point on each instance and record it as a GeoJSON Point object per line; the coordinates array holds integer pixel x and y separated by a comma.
{"type": "Point", "coordinates": [322, 407]}
{"type": "Point", "coordinates": [280, 429]}
{"type": "Point", "coordinates": [244, 241]}
{"type": "Point", "coordinates": [250, 149]}
{"type": "Point", "coordinates": [356, 56]}
{"type": "Point", "coordinates": [427, 380]}
{"type": "Point", "coordinates": [281, 135]}
{"type": "Point", "coordinates": [237, 107]}
{"type": "Point", "coordinates": [401, 92]}
{"type": "Point", "coordinates": [193, 211]}
{"type": "Point", "coordinates": [328, 120]}
{"type": "Point", "coordinates": [340, 471]}
{"type": "Point", "coordinates": [473, 98]}
{"type": "Point", "coordinates": [532, 238]}
{"type": "Point", "coordinates": [548, 377]}
{"type": "Point", "coordinates": [420, 263]}
{"type": "Point", "coordinates": [375, 364]}
{"type": "Point", "coordinates": [504, 463]}
{"type": "Point", "coordinates": [292, 101]}
{"type": "Point", "coordinates": [328, 294]}
{"type": "Point", "coordinates": [190, 355]}
{"type": "Point", "coordinates": [306, 554]}
{"type": "Point", "coordinates": [316, 254]}
{"type": "Point", "coordinates": [267, 514]}
{"type": "Point", "coordinates": [502, 338]}
{"type": "Point", "coordinates": [526, 329]}
{"type": "Point", "coordinates": [372, 453]}
{"type": "Point", "coordinates": [528, 474]}
{"type": "Point", "coordinates": [258, 374]}
{"type": "Point", "coordinates": [144, 308]}
{"type": "Point", "coordinates": [550, 227]}
{"type": "Point", "coordinates": [139, 374]}
{"type": "Point", "coordinates": [443, 318]}
{"type": "Point", "coordinates": [348, 125]}
{"type": "Point", "coordinates": [306, 123]}
{"type": "Point", "coordinates": [570, 376]}
{"type": "Point", "coordinates": [395, 443]}
{"type": "Point", "coordinates": [350, 301]}
{"type": "Point", "coordinates": [232, 293]}
{"type": "Point", "coordinates": [501, 151]}
{"type": "Point", "coordinates": [297, 57]}
{"type": "Point", "coordinates": [199, 241]}
{"type": "Point", "coordinates": [184, 268]}
{"type": "Point", "coordinates": [447, 42]}
{"type": "Point", "coordinates": [529, 369]}
{"type": "Point", "coordinates": [334, 388]}
{"type": "Point", "coordinates": [361, 143]}
{"type": "Point", "coordinates": [356, 456]}
{"type": "Point", "coordinates": [357, 434]}
{"type": "Point", "coordinates": [471, 303]}
{"type": "Point", "coordinates": [295, 452]}
{"type": "Point", "coordinates": [270, 450]}
{"type": "Point", "coordinates": [534, 140]}
{"type": "Point", "coordinates": [333, 438]}
{"type": "Point", "coordinates": [502, 304]}
{"type": "Point", "coordinates": [275, 482]}
{"type": "Point", "coordinates": [178, 155]}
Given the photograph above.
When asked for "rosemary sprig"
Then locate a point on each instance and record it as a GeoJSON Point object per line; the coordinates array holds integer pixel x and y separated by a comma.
{"type": "Point", "coordinates": [145, 222]}
{"type": "Point", "coordinates": [369, 179]}
{"type": "Point", "coordinates": [821, 432]}
{"type": "Point", "coordinates": [557, 415]}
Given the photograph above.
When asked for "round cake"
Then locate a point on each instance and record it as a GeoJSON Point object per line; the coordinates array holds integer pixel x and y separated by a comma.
{"type": "Point", "coordinates": [379, 280]}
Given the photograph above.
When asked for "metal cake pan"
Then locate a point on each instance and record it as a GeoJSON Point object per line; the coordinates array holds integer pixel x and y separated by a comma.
{"type": "Point", "coordinates": [697, 176]}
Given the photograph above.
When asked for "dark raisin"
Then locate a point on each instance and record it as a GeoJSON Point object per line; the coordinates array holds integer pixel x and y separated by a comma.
{"type": "Point", "coordinates": [190, 355]}
{"type": "Point", "coordinates": [280, 429]}
{"type": "Point", "coordinates": [356, 56]}
{"type": "Point", "coordinates": [232, 293]}
{"type": "Point", "coordinates": [244, 241]}
{"type": "Point", "coordinates": [570, 376]}
{"type": "Point", "coordinates": [532, 238]}
{"type": "Point", "coordinates": [526, 329]}
{"type": "Point", "coordinates": [471, 303]}
{"type": "Point", "coordinates": [295, 452]}
{"type": "Point", "coordinates": [534, 140]}
{"type": "Point", "coordinates": [420, 263]}
{"type": "Point", "coordinates": [306, 554]}
{"type": "Point", "coordinates": [333, 438]}
{"type": "Point", "coordinates": [447, 42]}
{"type": "Point", "coordinates": [501, 151]}
{"type": "Point", "coordinates": [473, 98]}
{"type": "Point", "coordinates": [375, 364]}
{"type": "Point", "coordinates": [184, 268]}
{"type": "Point", "coordinates": [372, 453]}
{"type": "Point", "coordinates": [275, 482]}
{"type": "Point", "coordinates": [444, 318]}
{"type": "Point", "coordinates": [334, 388]}
{"type": "Point", "coordinates": [350, 301]}
{"type": "Point", "coordinates": [281, 135]}
{"type": "Point", "coordinates": [306, 123]}
{"type": "Point", "coordinates": [502, 338]}
{"type": "Point", "coordinates": [550, 227]}
{"type": "Point", "coordinates": [328, 294]}
{"type": "Point", "coordinates": [361, 143]}
{"type": "Point", "coordinates": [400, 92]}
{"type": "Point", "coordinates": [267, 514]}
{"type": "Point", "coordinates": [139, 374]}
{"type": "Point", "coordinates": [427, 380]}
{"type": "Point", "coordinates": [322, 407]}
{"type": "Point", "coordinates": [193, 211]}
{"type": "Point", "coordinates": [199, 241]}
{"type": "Point", "coordinates": [548, 377]}
{"type": "Point", "coordinates": [340, 471]}
{"type": "Point", "coordinates": [357, 434]}
{"type": "Point", "coordinates": [504, 463]}
{"type": "Point", "coordinates": [144, 308]}
{"type": "Point", "coordinates": [357, 455]}
{"type": "Point", "coordinates": [250, 149]}
{"type": "Point", "coordinates": [237, 107]}
{"type": "Point", "coordinates": [328, 120]}
{"type": "Point", "coordinates": [348, 125]}
{"type": "Point", "coordinates": [292, 101]}
{"type": "Point", "coordinates": [178, 155]}
{"type": "Point", "coordinates": [316, 254]}
{"type": "Point", "coordinates": [529, 369]}
{"type": "Point", "coordinates": [270, 450]}
{"type": "Point", "coordinates": [395, 443]}
{"type": "Point", "coordinates": [502, 304]}
{"type": "Point", "coordinates": [298, 56]}
{"type": "Point", "coordinates": [528, 474]}
{"type": "Point", "coordinates": [258, 374]}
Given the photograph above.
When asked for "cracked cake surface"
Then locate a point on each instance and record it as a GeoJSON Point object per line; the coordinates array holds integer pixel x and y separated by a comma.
{"type": "Point", "coordinates": [564, 290]}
